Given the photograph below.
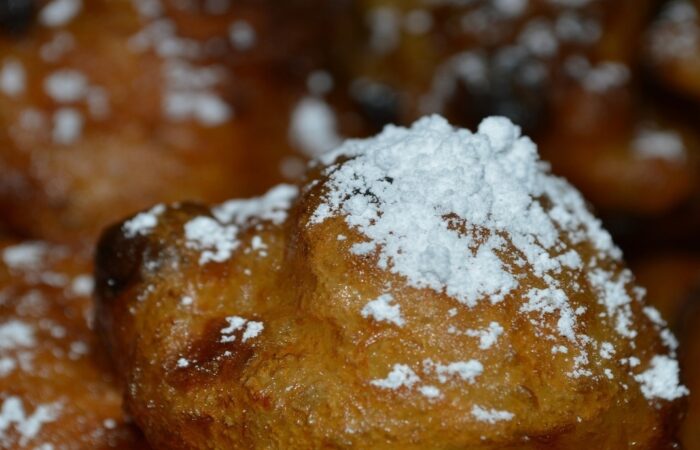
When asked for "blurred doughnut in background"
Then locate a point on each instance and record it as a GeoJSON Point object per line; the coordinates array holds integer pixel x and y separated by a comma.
{"type": "Point", "coordinates": [108, 107]}
{"type": "Point", "coordinates": [55, 387]}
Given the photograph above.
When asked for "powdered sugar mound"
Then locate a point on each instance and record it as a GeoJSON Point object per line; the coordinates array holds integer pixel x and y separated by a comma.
{"type": "Point", "coordinates": [661, 379]}
{"type": "Point", "coordinates": [400, 375]}
{"type": "Point", "coordinates": [272, 206]}
{"type": "Point", "coordinates": [381, 309]}
{"type": "Point", "coordinates": [216, 242]}
{"type": "Point", "coordinates": [490, 415]}
{"type": "Point", "coordinates": [440, 206]}
{"type": "Point", "coordinates": [58, 13]}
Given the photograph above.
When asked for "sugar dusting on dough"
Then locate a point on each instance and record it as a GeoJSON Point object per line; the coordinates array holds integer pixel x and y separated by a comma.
{"type": "Point", "coordinates": [382, 310]}
{"type": "Point", "coordinates": [13, 416]}
{"type": "Point", "coordinates": [448, 209]}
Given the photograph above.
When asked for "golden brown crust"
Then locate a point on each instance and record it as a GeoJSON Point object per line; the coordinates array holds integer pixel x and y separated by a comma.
{"type": "Point", "coordinates": [310, 378]}
{"type": "Point", "coordinates": [132, 150]}
{"type": "Point", "coordinates": [53, 373]}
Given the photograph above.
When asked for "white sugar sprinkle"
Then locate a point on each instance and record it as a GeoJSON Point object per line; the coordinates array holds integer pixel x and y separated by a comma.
{"type": "Point", "coordinates": [143, 223]}
{"type": "Point", "coordinates": [28, 426]}
{"type": "Point", "coordinates": [182, 363]}
{"type": "Point", "coordinates": [66, 86]}
{"type": "Point", "coordinates": [661, 380]}
{"type": "Point", "coordinates": [216, 242]}
{"type": "Point", "coordinates": [67, 126]}
{"type": "Point", "coordinates": [491, 415]}
{"type": "Point", "coordinates": [430, 392]}
{"type": "Point", "coordinates": [251, 329]}
{"type": "Point", "coordinates": [313, 127]}
{"type": "Point", "coordinates": [15, 334]}
{"type": "Point", "coordinates": [271, 207]}
{"type": "Point", "coordinates": [242, 35]}
{"type": "Point", "coordinates": [12, 77]}
{"type": "Point", "coordinates": [465, 370]}
{"type": "Point", "coordinates": [25, 256]}
{"type": "Point", "coordinates": [487, 337]}
{"type": "Point", "coordinates": [400, 375]}
{"type": "Point", "coordinates": [58, 13]}
{"type": "Point", "coordinates": [381, 310]}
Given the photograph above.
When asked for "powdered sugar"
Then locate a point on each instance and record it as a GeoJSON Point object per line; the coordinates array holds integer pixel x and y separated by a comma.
{"type": "Point", "coordinates": [215, 241]}
{"type": "Point", "coordinates": [661, 380]}
{"type": "Point", "coordinates": [400, 376]}
{"type": "Point", "coordinates": [487, 337]}
{"type": "Point", "coordinates": [313, 127]}
{"type": "Point", "coordinates": [270, 207]}
{"type": "Point", "coordinates": [143, 223]}
{"type": "Point", "coordinates": [381, 309]}
{"type": "Point", "coordinates": [13, 415]}
{"type": "Point", "coordinates": [490, 415]}
{"type": "Point", "coordinates": [251, 329]}
{"type": "Point", "coordinates": [58, 13]}
{"type": "Point", "coordinates": [12, 77]}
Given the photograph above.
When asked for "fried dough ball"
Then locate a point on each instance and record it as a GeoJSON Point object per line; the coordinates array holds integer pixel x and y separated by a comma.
{"type": "Point", "coordinates": [426, 288]}
{"type": "Point", "coordinates": [107, 107]}
{"type": "Point", "coordinates": [55, 389]}
{"type": "Point", "coordinates": [626, 155]}
{"type": "Point", "coordinates": [475, 58]}
{"type": "Point", "coordinates": [672, 48]}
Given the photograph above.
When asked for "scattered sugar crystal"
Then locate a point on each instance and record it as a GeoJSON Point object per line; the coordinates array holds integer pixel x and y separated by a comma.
{"type": "Point", "coordinates": [143, 223]}
{"type": "Point", "coordinates": [83, 285]}
{"type": "Point", "coordinates": [465, 370]}
{"type": "Point", "coordinates": [58, 13]}
{"type": "Point", "coordinates": [205, 107]}
{"type": "Point", "coordinates": [186, 300]}
{"type": "Point", "coordinates": [13, 415]}
{"type": "Point", "coordinates": [487, 337]}
{"type": "Point", "coordinates": [430, 391]}
{"type": "Point", "coordinates": [7, 365]}
{"type": "Point", "coordinates": [490, 415]}
{"type": "Point", "coordinates": [385, 33]}
{"type": "Point", "coordinates": [381, 309]}
{"type": "Point", "coordinates": [12, 77]}
{"type": "Point", "coordinates": [235, 323]}
{"type": "Point", "coordinates": [216, 242]}
{"type": "Point", "coordinates": [242, 35]}
{"type": "Point", "coordinates": [272, 206]}
{"type": "Point", "coordinates": [16, 334]}
{"type": "Point", "coordinates": [61, 43]}
{"type": "Point", "coordinates": [400, 375]}
{"type": "Point", "coordinates": [182, 363]}
{"type": "Point", "coordinates": [25, 256]}
{"type": "Point", "coordinates": [313, 127]}
{"type": "Point", "coordinates": [110, 424]}
{"type": "Point", "coordinates": [661, 380]}
{"type": "Point", "coordinates": [252, 330]}
{"type": "Point", "coordinates": [652, 143]}
{"type": "Point", "coordinates": [67, 126]}
{"type": "Point", "coordinates": [66, 85]}
{"type": "Point", "coordinates": [607, 350]}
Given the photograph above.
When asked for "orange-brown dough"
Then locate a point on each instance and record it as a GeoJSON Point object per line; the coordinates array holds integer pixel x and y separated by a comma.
{"type": "Point", "coordinates": [56, 391]}
{"type": "Point", "coordinates": [626, 154]}
{"type": "Point", "coordinates": [427, 288]}
{"type": "Point", "coordinates": [112, 106]}
{"type": "Point", "coordinates": [468, 60]}
{"type": "Point", "coordinates": [672, 48]}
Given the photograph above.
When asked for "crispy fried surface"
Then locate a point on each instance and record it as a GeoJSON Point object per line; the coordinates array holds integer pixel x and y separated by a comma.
{"type": "Point", "coordinates": [55, 387]}
{"type": "Point", "coordinates": [169, 319]}
{"type": "Point", "coordinates": [169, 109]}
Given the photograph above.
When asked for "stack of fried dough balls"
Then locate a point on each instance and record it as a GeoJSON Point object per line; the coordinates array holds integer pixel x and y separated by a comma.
{"type": "Point", "coordinates": [425, 288]}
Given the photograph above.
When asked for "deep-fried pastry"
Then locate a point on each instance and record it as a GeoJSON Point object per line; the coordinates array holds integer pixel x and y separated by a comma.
{"type": "Point", "coordinates": [672, 48]}
{"type": "Point", "coordinates": [55, 389]}
{"type": "Point", "coordinates": [622, 152]}
{"type": "Point", "coordinates": [469, 59]}
{"type": "Point", "coordinates": [426, 288]}
{"type": "Point", "coordinates": [107, 107]}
